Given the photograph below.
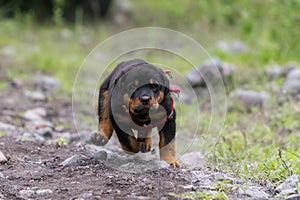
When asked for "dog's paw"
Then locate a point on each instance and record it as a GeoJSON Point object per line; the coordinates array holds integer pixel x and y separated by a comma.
{"type": "Point", "coordinates": [145, 145]}
{"type": "Point", "coordinates": [98, 139]}
{"type": "Point", "coordinates": [175, 164]}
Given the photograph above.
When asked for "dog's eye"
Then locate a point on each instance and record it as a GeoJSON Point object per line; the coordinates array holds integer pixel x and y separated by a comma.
{"type": "Point", "coordinates": [154, 87]}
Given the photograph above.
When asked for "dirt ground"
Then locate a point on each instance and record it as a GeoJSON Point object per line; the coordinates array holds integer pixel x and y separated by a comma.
{"type": "Point", "coordinates": [37, 168]}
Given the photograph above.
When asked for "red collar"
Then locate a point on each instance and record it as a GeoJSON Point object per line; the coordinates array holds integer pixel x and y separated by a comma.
{"type": "Point", "coordinates": [169, 116]}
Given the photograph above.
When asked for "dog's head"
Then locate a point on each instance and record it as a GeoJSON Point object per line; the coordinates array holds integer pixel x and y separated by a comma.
{"type": "Point", "coordinates": [143, 89]}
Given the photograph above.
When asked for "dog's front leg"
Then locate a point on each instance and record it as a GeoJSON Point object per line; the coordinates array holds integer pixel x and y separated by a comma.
{"type": "Point", "coordinates": [144, 139]}
{"type": "Point", "coordinates": [167, 147]}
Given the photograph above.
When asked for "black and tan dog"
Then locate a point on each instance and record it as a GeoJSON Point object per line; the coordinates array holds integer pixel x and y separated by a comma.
{"type": "Point", "coordinates": [136, 96]}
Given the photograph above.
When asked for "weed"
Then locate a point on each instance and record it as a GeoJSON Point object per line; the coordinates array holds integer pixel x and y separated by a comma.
{"type": "Point", "coordinates": [61, 142]}
{"type": "Point", "coordinates": [207, 195]}
{"type": "Point", "coordinates": [3, 134]}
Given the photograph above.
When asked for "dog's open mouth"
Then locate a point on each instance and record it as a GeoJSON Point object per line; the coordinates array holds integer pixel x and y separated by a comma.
{"type": "Point", "coordinates": [142, 111]}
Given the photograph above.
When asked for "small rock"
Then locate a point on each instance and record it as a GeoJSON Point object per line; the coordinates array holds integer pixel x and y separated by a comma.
{"type": "Point", "coordinates": [273, 71]}
{"type": "Point", "coordinates": [35, 114]}
{"type": "Point", "coordinates": [289, 186]}
{"type": "Point", "coordinates": [247, 99]}
{"type": "Point", "coordinates": [44, 191]}
{"type": "Point", "coordinates": [17, 83]}
{"type": "Point", "coordinates": [232, 47]}
{"type": "Point", "coordinates": [3, 159]}
{"type": "Point", "coordinates": [73, 160]}
{"type": "Point", "coordinates": [83, 196]}
{"type": "Point", "coordinates": [32, 137]}
{"type": "Point", "coordinates": [192, 159]}
{"type": "Point", "coordinates": [59, 128]}
{"type": "Point", "coordinates": [46, 132]}
{"type": "Point", "coordinates": [6, 127]}
{"type": "Point", "coordinates": [37, 124]}
{"type": "Point", "coordinates": [223, 177]}
{"type": "Point", "coordinates": [253, 192]}
{"type": "Point", "coordinates": [123, 6]}
{"type": "Point", "coordinates": [66, 34]}
{"type": "Point", "coordinates": [100, 155]}
{"type": "Point", "coordinates": [2, 176]}
{"type": "Point", "coordinates": [26, 193]}
{"type": "Point", "coordinates": [293, 197]}
{"type": "Point", "coordinates": [108, 191]}
{"type": "Point", "coordinates": [35, 95]}
{"type": "Point", "coordinates": [211, 70]}
{"type": "Point", "coordinates": [1, 196]}
{"type": "Point", "coordinates": [123, 10]}
{"type": "Point", "coordinates": [186, 187]}
{"type": "Point", "coordinates": [67, 136]}
{"type": "Point", "coordinates": [8, 51]}
{"type": "Point", "coordinates": [47, 83]}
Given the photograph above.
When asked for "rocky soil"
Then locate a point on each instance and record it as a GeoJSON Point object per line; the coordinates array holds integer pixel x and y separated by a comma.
{"type": "Point", "coordinates": [42, 157]}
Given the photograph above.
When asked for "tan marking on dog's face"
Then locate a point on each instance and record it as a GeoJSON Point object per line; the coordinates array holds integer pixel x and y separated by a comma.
{"type": "Point", "coordinates": [153, 103]}
{"type": "Point", "coordinates": [134, 103]}
{"type": "Point", "coordinates": [136, 83]}
{"type": "Point", "coordinates": [126, 99]}
{"type": "Point", "coordinates": [161, 96]}
{"type": "Point", "coordinates": [151, 81]}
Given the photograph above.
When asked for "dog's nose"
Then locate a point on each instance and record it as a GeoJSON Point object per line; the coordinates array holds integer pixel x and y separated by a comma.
{"type": "Point", "coordinates": [145, 99]}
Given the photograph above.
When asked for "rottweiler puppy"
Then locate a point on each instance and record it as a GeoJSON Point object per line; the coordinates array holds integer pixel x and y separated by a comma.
{"type": "Point", "coordinates": [136, 96]}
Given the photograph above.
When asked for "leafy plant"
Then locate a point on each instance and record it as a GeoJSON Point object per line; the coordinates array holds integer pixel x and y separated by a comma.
{"type": "Point", "coordinates": [61, 142]}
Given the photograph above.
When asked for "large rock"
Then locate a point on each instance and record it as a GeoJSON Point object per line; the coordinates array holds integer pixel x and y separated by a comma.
{"type": "Point", "coordinates": [289, 186]}
{"type": "Point", "coordinates": [247, 99]}
{"type": "Point", "coordinates": [116, 158]}
{"type": "Point", "coordinates": [212, 70]}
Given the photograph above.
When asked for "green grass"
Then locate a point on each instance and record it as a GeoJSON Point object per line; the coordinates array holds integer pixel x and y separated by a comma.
{"type": "Point", "coordinates": [258, 145]}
